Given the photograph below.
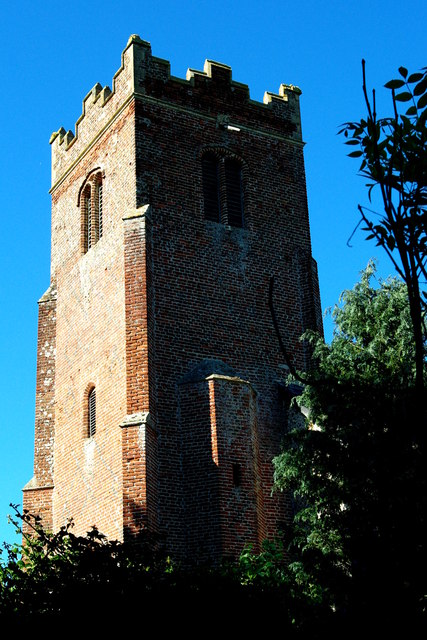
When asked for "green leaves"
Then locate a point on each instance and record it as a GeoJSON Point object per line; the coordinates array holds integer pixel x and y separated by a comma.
{"type": "Point", "coordinates": [353, 474]}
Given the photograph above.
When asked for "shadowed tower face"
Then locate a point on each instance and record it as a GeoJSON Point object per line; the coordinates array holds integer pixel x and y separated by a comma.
{"type": "Point", "coordinates": [159, 375]}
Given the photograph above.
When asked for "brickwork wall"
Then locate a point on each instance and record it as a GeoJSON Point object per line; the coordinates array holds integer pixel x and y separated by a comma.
{"type": "Point", "coordinates": [114, 155]}
{"type": "Point", "coordinates": [38, 502]}
{"type": "Point", "coordinates": [135, 263]}
{"type": "Point", "coordinates": [45, 390]}
{"type": "Point", "coordinates": [91, 346]}
{"type": "Point", "coordinates": [100, 106]}
{"type": "Point", "coordinates": [91, 352]}
{"type": "Point", "coordinates": [199, 509]}
{"type": "Point", "coordinates": [139, 459]}
{"type": "Point", "coordinates": [210, 282]}
{"type": "Point", "coordinates": [222, 497]}
{"type": "Point", "coordinates": [233, 406]}
{"type": "Point", "coordinates": [164, 292]}
{"type": "Point", "coordinates": [139, 438]}
{"type": "Point", "coordinates": [37, 495]}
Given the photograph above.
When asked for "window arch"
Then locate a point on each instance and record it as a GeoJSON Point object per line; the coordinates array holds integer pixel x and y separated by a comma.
{"type": "Point", "coordinates": [91, 206]}
{"type": "Point", "coordinates": [91, 413]}
{"type": "Point", "coordinates": [223, 189]}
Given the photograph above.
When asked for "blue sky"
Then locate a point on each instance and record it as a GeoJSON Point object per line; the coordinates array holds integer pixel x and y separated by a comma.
{"type": "Point", "coordinates": [52, 54]}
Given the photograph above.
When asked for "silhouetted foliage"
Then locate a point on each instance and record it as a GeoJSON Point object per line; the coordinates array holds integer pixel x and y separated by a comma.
{"type": "Point", "coordinates": [62, 575]}
{"type": "Point", "coordinates": [57, 573]}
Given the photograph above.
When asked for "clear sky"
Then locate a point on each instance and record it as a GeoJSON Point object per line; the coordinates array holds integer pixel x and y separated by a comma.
{"type": "Point", "coordinates": [53, 53]}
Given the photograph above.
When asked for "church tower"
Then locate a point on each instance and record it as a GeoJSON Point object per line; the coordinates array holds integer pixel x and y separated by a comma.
{"type": "Point", "coordinates": [159, 400]}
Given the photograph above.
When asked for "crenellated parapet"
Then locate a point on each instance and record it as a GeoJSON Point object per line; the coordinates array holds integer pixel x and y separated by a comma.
{"type": "Point", "coordinates": [288, 95]}
{"type": "Point", "coordinates": [100, 106]}
{"type": "Point", "coordinates": [211, 93]}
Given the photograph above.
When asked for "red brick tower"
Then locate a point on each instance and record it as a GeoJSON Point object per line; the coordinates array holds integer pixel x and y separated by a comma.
{"type": "Point", "coordinates": [158, 380]}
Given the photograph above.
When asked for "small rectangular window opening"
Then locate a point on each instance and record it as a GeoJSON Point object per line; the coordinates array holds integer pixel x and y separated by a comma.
{"type": "Point", "coordinates": [237, 475]}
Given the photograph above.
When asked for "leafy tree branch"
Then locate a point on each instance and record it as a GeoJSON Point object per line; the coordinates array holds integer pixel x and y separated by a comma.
{"type": "Point", "coordinates": [394, 160]}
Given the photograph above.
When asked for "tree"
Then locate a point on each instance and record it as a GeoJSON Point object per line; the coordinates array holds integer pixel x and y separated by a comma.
{"type": "Point", "coordinates": [58, 574]}
{"type": "Point", "coordinates": [394, 159]}
{"type": "Point", "coordinates": [356, 474]}
{"type": "Point", "coordinates": [61, 575]}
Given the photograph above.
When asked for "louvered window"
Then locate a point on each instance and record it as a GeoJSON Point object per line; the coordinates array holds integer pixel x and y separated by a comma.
{"type": "Point", "coordinates": [92, 209]}
{"type": "Point", "coordinates": [92, 413]}
{"type": "Point", "coordinates": [100, 209]}
{"type": "Point", "coordinates": [233, 187]}
{"type": "Point", "coordinates": [222, 190]}
{"type": "Point", "coordinates": [210, 167]}
{"type": "Point", "coordinates": [88, 206]}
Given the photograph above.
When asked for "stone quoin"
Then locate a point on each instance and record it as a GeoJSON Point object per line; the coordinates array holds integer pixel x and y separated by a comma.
{"type": "Point", "coordinates": [160, 397]}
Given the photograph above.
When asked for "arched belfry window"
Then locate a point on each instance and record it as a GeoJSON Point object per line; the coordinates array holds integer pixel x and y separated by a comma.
{"type": "Point", "coordinates": [91, 413]}
{"type": "Point", "coordinates": [91, 205]}
{"type": "Point", "coordinates": [223, 189]}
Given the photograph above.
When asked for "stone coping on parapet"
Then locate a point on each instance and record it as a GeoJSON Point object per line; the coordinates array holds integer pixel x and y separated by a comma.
{"type": "Point", "coordinates": [136, 420]}
{"type": "Point", "coordinates": [49, 294]}
{"type": "Point", "coordinates": [33, 486]}
{"type": "Point", "coordinates": [97, 93]}
{"type": "Point", "coordinates": [211, 68]}
{"type": "Point", "coordinates": [140, 212]}
{"type": "Point", "coordinates": [148, 77]}
{"type": "Point", "coordinates": [233, 379]}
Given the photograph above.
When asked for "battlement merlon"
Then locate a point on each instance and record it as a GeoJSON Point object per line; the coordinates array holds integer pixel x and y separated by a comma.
{"type": "Point", "coordinates": [144, 76]}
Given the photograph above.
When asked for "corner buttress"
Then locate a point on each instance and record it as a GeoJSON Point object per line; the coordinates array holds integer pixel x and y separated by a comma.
{"type": "Point", "coordinates": [139, 435]}
{"type": "Point", "coordinates": [38, 492]}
